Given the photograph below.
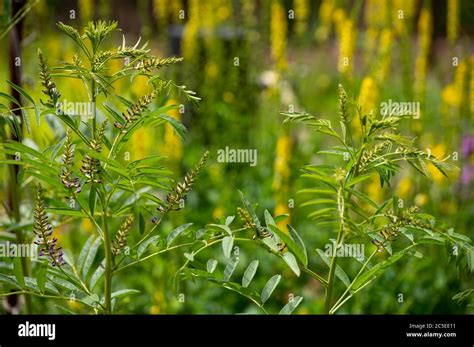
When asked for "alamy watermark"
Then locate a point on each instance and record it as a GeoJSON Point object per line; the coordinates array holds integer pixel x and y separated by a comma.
{"type": "Point", "coordinates": [400, 108]}
{"type": "Point", "coordinates": [83, 109]}
{"type": "Point", "coordinates": [23, 250]}
{"type": "Point", "coordinates": [232, 155]}
{"type": "Point", "coordinates": [350, 250]}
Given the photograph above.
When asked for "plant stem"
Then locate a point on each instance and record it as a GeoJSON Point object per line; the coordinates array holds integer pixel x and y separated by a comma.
{"type": "Point", "coordinates": [333, 265]}
{"type": "Point", "coordinates": [108, 260]}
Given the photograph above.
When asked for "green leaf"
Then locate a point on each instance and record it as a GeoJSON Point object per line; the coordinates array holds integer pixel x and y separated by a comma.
{"type": "Point", "coordinates": [10, 280]}
{"type": "Point", "coordinates": [92, 199]}
{"type": "Point", "coordinates": [299, 242]}
{"type": "Point", "coordinates": [176, 232]}
{"type": "Point", "coordinates": [290, 260]}
{"type": "Point", "coordinates": [84, 251]}
{"type": "Point", "coordinates": [90, 256]}
{"type": "Point", "coordinates": [18, 271]}
{"type": "Point", "coordinates": [145, 244]}
{"type": "Point", "coordinates": [220, 227]}
{"type": "Point", "coordinates": [376, 270]}
{"type": "Point", "coordinates": [230, 268]}
{"type": "Point", "coordinates": [65, 284]}
{"type": "Point", "coordinates": [178, 127]}
{"type": "Point", "coordinates": [124, 292]}
{"type": "Point", "coordinates": [358, 179]}
{"type": "Point", "coordinates": [270, 287]}
{"type": "Point", "coordinates": [141, 223]}
{"type": "Point", "coordinates": [291, 305]}
{"type": "Point", "coordinates": [292, 245]}
{"type": "Point", "coordinates": [227, 244]}
{"type": "Point", "coordinates": [211, 265]}
{"type": "Point", "coordinates": [41, 276]}
{"type": "Point", "coordinates": [249, 273]}
{"type": "Point", "coordinates": [269, 219]}
{"type": "Point", "coordinates": [67, 212]}
{"type": "Point", "coordinates": [235, 287]}
{"type": "Point", "coordinates": [98, 273]}
{"type": "Point", "coordinates": [339, 272]}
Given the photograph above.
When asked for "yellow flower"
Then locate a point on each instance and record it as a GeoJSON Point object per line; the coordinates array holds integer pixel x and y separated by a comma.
{"type": "Point", "coordinates": [450, 96]}
{"type": "Point", "coordinates": [301, 16]}
{"type": "Point", "coordinates": [191, 31]}
{"type": "Point", "coordinates": [421, 199]}
{"type": "Point", "coordinates": [374, 190]}
{"type": "Point", "coordinates": [368, 95]}
{"type": "Point", "coordinates": [385, 48]}
{"type": "Point", "coordinates": [347, 40]}
{"type": "Point", "coordinates": [140, 143]}
{"type": "Point", "coordinates": [403, 11]}
{"type": "Point", "coordinates": [325, 16]}
{"type": "Point", "coordinates": [173, 148]}
{"type": "Point", "coordinates": [75, 305]}
{"type": "Point", "coordinates": [438, 151]}
{"type": "Point", "coordinates": [404, 188]}
{"type": "Point", "coordinates": [460, 80]}
{"type": "Point", "coordinates": [212, 69]}
{"type": "Point", "coordinates": [160, 11]}
{"type": "Point", "coordinates": [425, 27]}
{"type": "Point", "coordinates": [376, 13]}
{"type": "Point", "coordinates": [87, 225]}
{"type": "Point", "coordinates": [86, 8]}
{"type": "Point", "coordinates": [278, 34]}
{"type": "Point", "coordinates": [453, 20]}
{"type": "Point", "coordinates": [218, 212]}
{"type": "Point", "coordinates": [281, 167]}
{"type": "Point", "coordinates": [158, 299]}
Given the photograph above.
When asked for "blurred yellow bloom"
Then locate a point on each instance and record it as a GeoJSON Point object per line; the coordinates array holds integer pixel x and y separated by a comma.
{"type": "Point", "coordinates": [438, 151]}
{"type": "Point", "coordinates": [403, 11]}
{"type": "Point", "coordinates": [218, 212]}
{"type": "Point", "coordinates": [425, 27]}
{"type": "Point", "coordinates": [228, 96]}
{"type": "Point", "coordinates": [460, 80]}
{"type": "Point", "coordinates": [141, 143]}
{"type": "Point", "coordinates": [160, 11]}
{"type": "Point", "coordinates": [87, 225]}
{"type": "Point", "coordinates": [421, 199]}
{"type": "Point", "coordinates": [158, 299]}
{"type": "Point", "coordinates": [86, 8]}
{"type": "Point", "coordinates": [450, 96]}
{"type": "Point", "coordinates": [75, 305]}
{"type": "Point", "coordinates": [278, 34]}
{"type": "Point", "coordinates": [325, 17]}
{"type": "Point", "coordinates": [368, 95]}
{"type": "Point", "coordinates": [301, 16]}
{"type": "Point", "coordinates": [212, 70]}
{"type": "Point", "coordinates": [404, 188]}
{"type": "Point", "coordinates": [173, 148]}
{"type": "Point", "coordinates": [339, 16]}
{"type": "Point", "coordinates": [376, 13]}
{"type": "Point", "coordinates": [224, 10]}
{"type": "Point", "coordinates": [140, 86]}
{"type": "Point", "coordinates": [385, 50]}
{"type": "Point", "coordinates": [374, 190]}
{"type": "Point", "coordinates": [347, 41]}
{"type": "Point", "coordinates": [453, 20]}
{"type": "Point", "coordinates": [281, 165]}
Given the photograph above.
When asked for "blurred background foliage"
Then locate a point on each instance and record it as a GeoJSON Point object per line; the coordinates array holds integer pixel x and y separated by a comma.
{"type": "Point", "coordinates": [249, 60]}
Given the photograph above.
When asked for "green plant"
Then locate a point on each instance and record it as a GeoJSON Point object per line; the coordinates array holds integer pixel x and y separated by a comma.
{"type": "Point", "coordinates": [111, 192]}
{"type": "Point", "coordinates": [373, 148]}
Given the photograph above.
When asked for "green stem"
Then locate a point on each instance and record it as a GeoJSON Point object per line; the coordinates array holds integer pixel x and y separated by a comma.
{"type": "Point", "coordinates": [108, 260]}
{"type": "Point", "coordinates": [333, 265]}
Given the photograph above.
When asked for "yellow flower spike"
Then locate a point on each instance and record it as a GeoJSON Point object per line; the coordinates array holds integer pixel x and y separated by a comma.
{"type": "Point", "coordinates": [160, 12]}
{"type": "Point", "coordinates": [450, 96]}
{"type": "Point", "coordinates": [403, 11]}
{"type": "Point", "coordinates": [374, 190]}
{"type": "Point", "coordinates": [325, 17]}
{"type": "Point", "coordinates": [453, 21]}
{"type": "Point", "coordinates": [460, 81]}
{"type": "Point", "coordinates": [385, 48]}
{"type": "Point", "coordinates": [368, 96]}
{"type": "Point", "coordinates": [347, 40]}
{"type": "Point", "coordinates": [278, 34]}
{"type": "Point", "coordinates": [86, 9]}
{"type": "Point", "coordinates": [281, 165]}
{"type": "Point", "coordinates": [425, 27]}
{"type": "Point", "coordinates": [376, 13]}
{"type": "Point", "coordinates": [301, 8]}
